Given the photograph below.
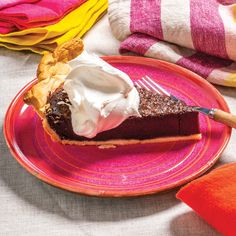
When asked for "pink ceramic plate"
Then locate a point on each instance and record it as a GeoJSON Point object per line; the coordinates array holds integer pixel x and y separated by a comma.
{"type": "Point", "coordinates": [126, 170]}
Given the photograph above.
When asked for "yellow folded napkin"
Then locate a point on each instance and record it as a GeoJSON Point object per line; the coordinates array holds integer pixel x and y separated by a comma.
{"type": "Point", "coordinates": [42, 39]}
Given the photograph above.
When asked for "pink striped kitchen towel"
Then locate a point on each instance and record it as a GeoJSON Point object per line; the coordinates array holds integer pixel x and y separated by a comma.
{"type": "Point", "coordinates": [197, 34]}
{"type": "Point", "coordinates": [24, 14]}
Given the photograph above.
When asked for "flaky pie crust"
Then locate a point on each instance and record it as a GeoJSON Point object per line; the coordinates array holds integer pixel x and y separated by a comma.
{"type": "Point", "coordinates": [51, 73]}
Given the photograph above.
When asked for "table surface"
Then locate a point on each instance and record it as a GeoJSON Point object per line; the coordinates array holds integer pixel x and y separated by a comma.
{"type": "Point", "coordinates": [31, 207]}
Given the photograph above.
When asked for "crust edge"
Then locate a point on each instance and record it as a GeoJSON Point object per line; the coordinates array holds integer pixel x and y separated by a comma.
{"type": "Point", "coordinates": [51, 72]}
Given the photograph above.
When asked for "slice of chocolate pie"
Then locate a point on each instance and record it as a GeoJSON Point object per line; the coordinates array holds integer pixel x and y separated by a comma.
{"type": "Point", "coordinates": [84, 101]}
{"type": "Point", "coordinates": [162, 119]}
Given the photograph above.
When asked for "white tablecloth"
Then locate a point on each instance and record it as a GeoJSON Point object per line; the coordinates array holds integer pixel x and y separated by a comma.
{"type": "Point", "coordinates": [31, 207]}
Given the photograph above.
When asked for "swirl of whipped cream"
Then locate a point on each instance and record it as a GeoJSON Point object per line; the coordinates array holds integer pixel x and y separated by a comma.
{"type": "Point", "coordinates": [101, 96]}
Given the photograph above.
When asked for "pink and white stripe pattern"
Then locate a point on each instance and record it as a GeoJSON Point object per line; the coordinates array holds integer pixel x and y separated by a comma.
{"type": "Point", "coordinates": [197, 34]}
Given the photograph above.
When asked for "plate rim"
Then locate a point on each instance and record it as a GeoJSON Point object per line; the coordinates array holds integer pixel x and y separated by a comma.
{"type": "Point", "coordinates": [132, 60]}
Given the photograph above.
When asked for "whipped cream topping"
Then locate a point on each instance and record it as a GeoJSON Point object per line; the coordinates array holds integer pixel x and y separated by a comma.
{"type": "Point", "coordinates": [101, 96]}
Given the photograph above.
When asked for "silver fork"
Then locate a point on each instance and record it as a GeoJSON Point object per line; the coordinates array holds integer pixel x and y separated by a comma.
{"type": "Point", "coordinates": [216, 114]}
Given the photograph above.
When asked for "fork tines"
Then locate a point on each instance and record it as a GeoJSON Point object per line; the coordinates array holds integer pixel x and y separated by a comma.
{"type": "Point", "coordinates": [149, 84]}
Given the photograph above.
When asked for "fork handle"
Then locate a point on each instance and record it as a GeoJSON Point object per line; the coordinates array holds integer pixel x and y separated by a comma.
{"type": "Point", "coordinates": [224, 117]}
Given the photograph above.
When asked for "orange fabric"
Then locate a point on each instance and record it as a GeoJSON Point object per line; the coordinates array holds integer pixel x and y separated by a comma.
{"type": "Point", "coordinates": [213, 197]}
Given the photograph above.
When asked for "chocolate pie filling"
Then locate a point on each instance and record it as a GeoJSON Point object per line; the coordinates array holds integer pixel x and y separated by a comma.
{"type": "Point", "coordinates": [160, 116]}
